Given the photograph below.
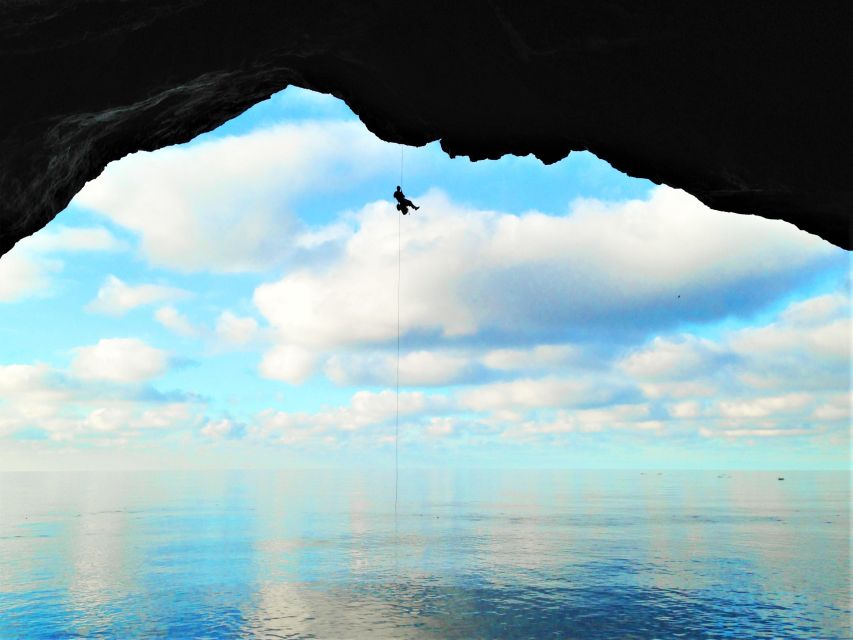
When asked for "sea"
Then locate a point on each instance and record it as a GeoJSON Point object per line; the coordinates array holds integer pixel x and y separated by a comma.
{"type": "Point", "coordinates": [569, 554]}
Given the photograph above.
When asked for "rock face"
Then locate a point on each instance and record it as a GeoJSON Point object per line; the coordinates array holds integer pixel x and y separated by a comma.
{"type": "Point", "coordinates": [745, 104]}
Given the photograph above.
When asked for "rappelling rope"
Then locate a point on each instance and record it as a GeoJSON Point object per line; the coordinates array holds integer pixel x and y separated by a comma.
{"type": "Point", "coordinates": [397, 411]}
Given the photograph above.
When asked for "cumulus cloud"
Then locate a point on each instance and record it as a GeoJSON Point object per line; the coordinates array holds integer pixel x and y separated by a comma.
{"type": "Point", "coordinates": [816, 310]}
{"type": "Point", "coordinates": [55, 239]}
{"type": "Point", "coordinates": [236, 331]}
{"type": "Point", "coordinates": [616, 417]}
{"type": "Point", "coordinates": [541, 356]}
{"type": "Point", "coordinates": [788, 377]}
{"type": "Point", "coordinates": [29, 267]}
{"type": "Point", "coordinates": [227, 205]}
{"type": "Point", "coordinates": [165, 416]}
{"type": "Point", "coordinates": [288, 363]}
{"type": "Point", "coordinates": [417, 368]}
{"type": "Point", "coordinates": [31, 396]}
{"type": "Point", "coordinates": [426, 368]}
{"type": "Point", "coordinates": [827, 341]}
{"type": "Point", "coordinates": [753, 433]}
{"type": "Point", "coordinates": [223, 428]}
{"type": "Point", "coordinates": [22, 275]}
{"type": "Point", "coordinates": [123, 360]}
{"type": "Point", "coordinates": [834, 407]}
{"type": "Point", "coordinates": [688, 409]}
{"type": "Point", "coordinates": [366, 409]}
{"type": "Point", "coordinates": [176, 322]}
{"type": "Point", "coordinates": [667, 359]}
{"type": "Point", "coordinates": [764, 406]}
{"type": "Point", "coordinates": [473, 278]}
{"type": "Point", "coordinates": [39, 397]}
{"type": "Point", "coordinates": [440, 426]}
{"type": "Point", "coordinates": [534, 393]}
{"type": "Point", "coordinates": [807, 348]}
{"type": "Point", "coordinates": [116, 297]}
{"type": "Point", "coordinates": [470, 273]}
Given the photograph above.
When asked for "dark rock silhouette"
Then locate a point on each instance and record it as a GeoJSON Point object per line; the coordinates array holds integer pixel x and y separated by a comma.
{"type": "Point", "coordinates": [744, 104]}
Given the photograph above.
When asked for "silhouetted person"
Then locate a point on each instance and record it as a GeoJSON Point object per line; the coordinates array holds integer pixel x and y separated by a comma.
{"type": "Point", "coordinates": [403, 203]}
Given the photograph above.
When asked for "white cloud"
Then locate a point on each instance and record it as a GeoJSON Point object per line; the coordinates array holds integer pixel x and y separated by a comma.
{"type": "Point", "coordinates": [234, 330]}
{"type": "Point", "coordinates": [116, 297]}
{"type": "Point", "coordinates": [807, 347]}
{"type": "Point", "coordinates": [23, 275]}
{"type": "Point", "coordinates": [124, 360]}
{"type": "Point", "coordinates": [31, 395]}
{"type": "Point", "coordinates": [468, 271]}
{"type": "Point", "coordinates": [619, 416]}
{"type": "Point", "coordinates": [28, 268]}
{"type": "Point", "coordinates": [288, 363]}
{"type": "Point", "coordinates": [765, 406]}
{"type": "Point", "coordinates": [668, 359]}
{"type": "Point", "coordinates": [164, 416]}
{"type": "Point", "coordinates": [539, 357]}
{"type": "Point", "coordinates": [425, 368]}
{"type": "Point", "coordinates": [826, 341]}
{"type": "Point", "coordinates": [54, 239]}
{"type": "Point", "coordinates": [106, 419]}
{"type": "Point", "coordinates": [366, 409]}
{"type": "Point", "coordinates": [222, 428]}
{"type": "Point", "coordinates": [176, 322]}
{"type": "Point", "coordinates": [440, 427]}
{"type": "Point", "coordinates": [315, 238]}
{"type": "Point", "coordinates": [287, 428]}
{"type": "Point", "coordinates": [40, 397]}
{"type": "Point", "coordinates": [753, 433]}
{"type": "Point", "coordinates": [227, 204]}
{"type": "Point", "coordinates": [532, 393]}
{"type": "Point", "coordinates": [817, 310]}
{"type": "Point", "coordinates": [615, 417]}
{"type": "Point", "coordinates": [19, 378]}
{"type": "Point", "coordinates": [685, 410]}
{"type": "Point", "coordinates": [835, 408]}
{"type": "Point", "coordinates": [417, 368]}
{"type": "Point", "coordinates": [687, 389]}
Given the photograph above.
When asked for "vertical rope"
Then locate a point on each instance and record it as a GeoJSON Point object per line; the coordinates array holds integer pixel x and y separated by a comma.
{"type": "Point", "coordinates": [397, 412]}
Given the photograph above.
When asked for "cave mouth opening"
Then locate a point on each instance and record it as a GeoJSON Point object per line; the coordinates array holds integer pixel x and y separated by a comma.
{"type": "Point", "coordinates": [238, 290]}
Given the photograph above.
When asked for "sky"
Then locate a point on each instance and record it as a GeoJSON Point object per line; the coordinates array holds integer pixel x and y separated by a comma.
{"type": "Point", "coordinates": [232, 303]}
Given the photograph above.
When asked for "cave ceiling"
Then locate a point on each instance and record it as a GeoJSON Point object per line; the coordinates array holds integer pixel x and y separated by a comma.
{"type": "Point", "coordinates": [745, 105]}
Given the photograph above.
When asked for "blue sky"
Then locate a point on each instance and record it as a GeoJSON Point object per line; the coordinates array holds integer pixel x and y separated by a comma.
{"type": "Point", "coordinates": [231, 302]}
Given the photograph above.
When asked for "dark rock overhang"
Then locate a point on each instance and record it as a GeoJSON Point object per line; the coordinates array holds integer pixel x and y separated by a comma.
{"type": "Point", "coordinates": [745, 104]}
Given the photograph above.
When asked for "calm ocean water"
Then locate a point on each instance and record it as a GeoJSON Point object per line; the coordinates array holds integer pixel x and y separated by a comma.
{"type": "Point", "coordinates": [485, 554]}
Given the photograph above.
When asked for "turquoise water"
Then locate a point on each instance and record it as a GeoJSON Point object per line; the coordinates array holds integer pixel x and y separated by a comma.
{"type": "Point", "coordinates": [485, 554]}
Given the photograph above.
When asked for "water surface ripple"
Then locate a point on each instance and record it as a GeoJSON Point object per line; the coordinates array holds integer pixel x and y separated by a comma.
{"type": "Point", "coordinates": [476, 554]}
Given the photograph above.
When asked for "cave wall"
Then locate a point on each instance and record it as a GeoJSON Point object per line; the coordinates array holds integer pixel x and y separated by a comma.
{"type": "Point", "coordinates": [744, 104]}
